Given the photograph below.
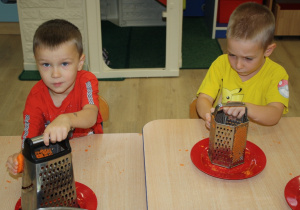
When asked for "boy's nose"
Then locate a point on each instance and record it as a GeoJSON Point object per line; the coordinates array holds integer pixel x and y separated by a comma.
{"type": "Point", "coordinates": [55, 73]}
{"type": "Point", "coordinates": [239, 64]}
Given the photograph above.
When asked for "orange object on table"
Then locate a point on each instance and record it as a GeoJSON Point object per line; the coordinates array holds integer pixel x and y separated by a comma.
{"type": "Point", "coordinates": [43, 153]}
{"type": "Point", "coordinates": [20, 159]}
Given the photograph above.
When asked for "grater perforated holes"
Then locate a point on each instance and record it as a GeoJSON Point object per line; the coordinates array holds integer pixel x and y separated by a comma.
{"type": "Point", "coordinates": [55, 177]}
{"type": "Point", "coordinates": [223, 147]}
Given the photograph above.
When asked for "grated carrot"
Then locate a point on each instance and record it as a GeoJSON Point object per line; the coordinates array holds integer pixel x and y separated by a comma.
{"type": "Point", "coordinates": [43, 153]}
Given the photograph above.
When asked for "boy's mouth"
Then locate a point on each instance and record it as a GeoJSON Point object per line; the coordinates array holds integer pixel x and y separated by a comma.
{"type": "Point", "coordinates": [239, 71]}
{"type": "Point", "coordinates": [57, 84]}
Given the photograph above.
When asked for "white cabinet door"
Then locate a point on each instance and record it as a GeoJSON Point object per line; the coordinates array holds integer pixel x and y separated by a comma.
{"type": "Point", "coordinates": [173, 62]}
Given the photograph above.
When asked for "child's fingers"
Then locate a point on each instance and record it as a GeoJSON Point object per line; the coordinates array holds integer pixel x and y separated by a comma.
{"type": "Point", "coordinates": [52, 137]}
{"type": "Point", "coordinates": [225, 110]}
{"type": "Point", "coordinates": [12, 166]}
{"type": "Point", "coordinates": [240, 115]}
{"type": "Point", "coordinates": [207, 120]}
{"type": "Point", "coordinates": [46, 138]}
{"type": "Point", "coordinates": [9, 165]}
{"type": "Point", "coordinates": [61, 135]}
{"type": "Point", "coordinates": [12, 171]}
{"type": "Point", "coordinates": [236, 112]}
{"type": "Point", "coordinates": [55, 134]}
{"type": "Point", "coordinates": [208, 117]}
{"type": "Point", "coordinates": [207, 124]}
{"type": "Point", "coordinates": [12, 160]}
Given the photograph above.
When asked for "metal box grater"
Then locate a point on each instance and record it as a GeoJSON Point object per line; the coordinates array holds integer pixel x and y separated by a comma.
{"type": "Point", "coordinates": [48, 179]}
{"type": "Point", "coordinates": [228, 137]}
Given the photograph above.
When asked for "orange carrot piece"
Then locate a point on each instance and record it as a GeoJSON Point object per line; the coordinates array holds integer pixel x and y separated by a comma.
{"type": "Point", "coordinates": [43, 153]}
{"type": "Point", "coordinates": [20, 159]}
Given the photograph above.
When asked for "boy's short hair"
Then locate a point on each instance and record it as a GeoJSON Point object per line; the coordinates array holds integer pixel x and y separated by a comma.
{"type": "Point", "coordinates": [252, 21]}
{"type": "Point", "coordinates": [55, 32]}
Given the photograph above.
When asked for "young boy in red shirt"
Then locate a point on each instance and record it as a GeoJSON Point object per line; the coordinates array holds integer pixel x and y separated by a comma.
{"type": "Point", "coordinates": [67, 96]}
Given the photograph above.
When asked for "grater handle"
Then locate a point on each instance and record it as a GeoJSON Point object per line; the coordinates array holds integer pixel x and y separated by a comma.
{"type": "Point", "coordinates": [234, 103]}
{"type": "Point", "coordinates": [217, 109]}
{"type": "Point", "coordinates": [39, 139]}
{"type": "Point", "coordinates": [230, 104]}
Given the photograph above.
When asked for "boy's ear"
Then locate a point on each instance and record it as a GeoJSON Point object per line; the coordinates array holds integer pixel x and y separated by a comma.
{"type": "Point", "coordinates": [270, 49]}
{"type": "Point", "coordinates": [81, 62]}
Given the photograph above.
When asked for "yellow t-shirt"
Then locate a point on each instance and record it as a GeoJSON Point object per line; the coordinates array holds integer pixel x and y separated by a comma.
{"type": "Point", "coordinates": [269, 85]}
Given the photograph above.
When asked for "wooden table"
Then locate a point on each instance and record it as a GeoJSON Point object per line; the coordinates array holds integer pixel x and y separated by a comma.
{"type": "Point", "coordinates": [112, 165]}
{"type": "Point", "coordinates": [173, 181]}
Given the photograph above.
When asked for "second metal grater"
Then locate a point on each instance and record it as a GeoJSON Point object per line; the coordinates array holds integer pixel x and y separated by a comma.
{"type": "Point", "coordinates": [48, 178]}
{"type": "Point", "coordinates": [228, 137]}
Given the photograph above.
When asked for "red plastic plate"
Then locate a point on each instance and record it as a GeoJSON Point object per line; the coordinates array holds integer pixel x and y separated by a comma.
{"type": "Point", "coordinates": [86, 198]}
{"type": "Point", "coordinates": [292, 193]}
{"type": "Point", "coordinates": [255, 162]}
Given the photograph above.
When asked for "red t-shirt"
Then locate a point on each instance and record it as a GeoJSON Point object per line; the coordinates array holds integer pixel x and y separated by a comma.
{"type": "Point", "coordinates": [40, 110]}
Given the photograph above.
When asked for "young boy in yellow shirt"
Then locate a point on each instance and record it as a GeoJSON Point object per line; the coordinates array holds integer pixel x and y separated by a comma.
{"type": "Point", "coordinates": [246, 73]}
{"type": "Point", "coordinates": [67, 97]}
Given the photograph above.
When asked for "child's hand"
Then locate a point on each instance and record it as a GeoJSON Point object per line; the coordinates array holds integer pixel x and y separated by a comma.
{"type": "Point", "coordinates": [57, 130]}
{"type": "Point", "coordinates": [236, 112]}
{"type": "Point", "coordinates": [12, 164]}
{"type": "Point", "coordinates": [208, 118]}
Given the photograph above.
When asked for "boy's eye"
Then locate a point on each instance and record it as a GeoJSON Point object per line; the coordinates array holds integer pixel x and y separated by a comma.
{"type": "Point", "coordinates": [231, 55]}
{"type": "Point", "coordinates": [249, 59]}
{"type": "Point", "coordinates": [46, 64]}
{"type": "Point", "coordinates": [65, 64]}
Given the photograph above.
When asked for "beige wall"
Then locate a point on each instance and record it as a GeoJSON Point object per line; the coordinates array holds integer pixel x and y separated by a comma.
{"type": "Point", "coordinates": [34, 12]}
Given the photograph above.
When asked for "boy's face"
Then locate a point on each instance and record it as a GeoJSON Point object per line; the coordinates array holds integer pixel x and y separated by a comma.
{"type": "Point", "coordinates": [58, 67]}
{"type": "Point", "coordinates": [245, 57]}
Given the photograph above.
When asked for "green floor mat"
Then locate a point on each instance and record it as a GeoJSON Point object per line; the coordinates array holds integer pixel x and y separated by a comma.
{"type": "Point", "coordinates": [30, 75]}
{"type": "Point", "coordinates": [146, 46]}
{"type": "Point", "coordinates": [198, 49]}
{"type": "Point", "coordinates": [149, 53]}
